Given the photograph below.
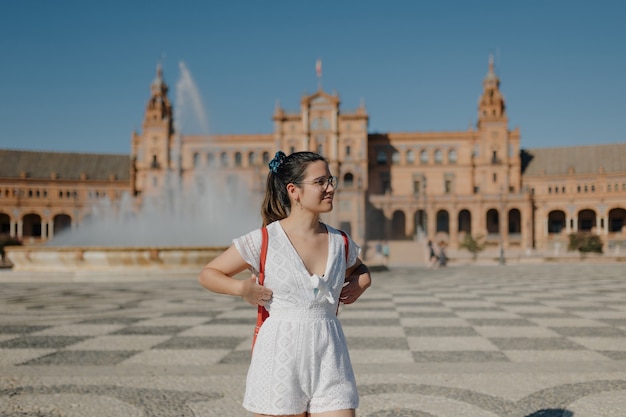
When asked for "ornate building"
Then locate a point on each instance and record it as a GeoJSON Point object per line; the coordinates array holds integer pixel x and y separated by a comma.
{"type": "Point", "coordinates": [400, 187]}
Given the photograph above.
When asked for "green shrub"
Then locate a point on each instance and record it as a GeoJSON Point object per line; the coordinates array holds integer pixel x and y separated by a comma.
{"type": "Point", "coordinates": [473, 245]}
{"type": "Point", "coordinates": [584, 242]}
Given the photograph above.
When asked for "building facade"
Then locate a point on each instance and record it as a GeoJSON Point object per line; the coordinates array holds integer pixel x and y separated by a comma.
{"type": "Point", "coordinates": [401, 187]}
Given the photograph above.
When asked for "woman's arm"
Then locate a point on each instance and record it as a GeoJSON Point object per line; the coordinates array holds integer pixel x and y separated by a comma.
{"type": "Point", "coordinates": [358, 279]}
{"type": "Point", "coordinates": [217, 276]}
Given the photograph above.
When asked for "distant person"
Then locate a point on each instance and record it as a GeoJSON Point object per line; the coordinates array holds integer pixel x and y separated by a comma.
{"type": "Point", "coordinates": [433, 260]}
{"type": "Point", "coordinates": [441, 256]}
{"type": "Point", "coordinates": [386, 252]}
{"type": "Point", "coordinates": [300, 363]}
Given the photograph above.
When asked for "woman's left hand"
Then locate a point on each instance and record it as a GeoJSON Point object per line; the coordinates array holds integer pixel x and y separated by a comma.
{"type": "Point", "coordinates": [355, 285]}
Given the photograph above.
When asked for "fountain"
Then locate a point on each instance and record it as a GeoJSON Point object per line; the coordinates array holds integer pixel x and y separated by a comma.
{"type": "Point", "coordinates": [191, 221]}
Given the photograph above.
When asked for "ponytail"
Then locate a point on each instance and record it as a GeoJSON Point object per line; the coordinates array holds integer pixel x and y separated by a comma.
{"type": "Point", "coordinates": [284, 170]}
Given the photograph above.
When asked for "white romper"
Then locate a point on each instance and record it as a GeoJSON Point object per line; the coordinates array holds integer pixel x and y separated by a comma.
{"type": "Point", "coordinates": [300, 360]}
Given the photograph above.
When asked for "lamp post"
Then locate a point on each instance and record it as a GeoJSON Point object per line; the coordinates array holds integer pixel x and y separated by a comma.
{"type": "Point", "coordinates": [502, 260]}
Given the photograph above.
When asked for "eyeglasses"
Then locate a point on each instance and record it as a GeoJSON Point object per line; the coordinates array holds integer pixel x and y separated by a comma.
{"type": "Point", "coordinates": [323, 182]}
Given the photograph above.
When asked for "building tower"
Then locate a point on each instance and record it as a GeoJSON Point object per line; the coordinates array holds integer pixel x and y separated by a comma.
{"type": "Point", "coordinates": [152, 148]}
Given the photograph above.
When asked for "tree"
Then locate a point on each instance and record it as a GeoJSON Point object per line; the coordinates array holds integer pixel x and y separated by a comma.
{"type": "Point", "coordinates": [473, 245]}
{"type": "Point", "coordinates": [584, 242]}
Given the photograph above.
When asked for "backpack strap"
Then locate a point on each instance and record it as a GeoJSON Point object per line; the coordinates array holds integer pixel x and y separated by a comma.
{"type": "Point", "coordinates": [262, 313]}
{"type": "Point", "coordinates": [346, 243]}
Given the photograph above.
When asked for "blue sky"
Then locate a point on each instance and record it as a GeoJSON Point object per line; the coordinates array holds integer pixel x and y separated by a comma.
{"type": "Point", "coordinates": [75, 75]}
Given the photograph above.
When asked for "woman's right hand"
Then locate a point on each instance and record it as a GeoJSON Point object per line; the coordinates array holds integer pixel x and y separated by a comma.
{"type": "Point", "coordinates": [254, 293]}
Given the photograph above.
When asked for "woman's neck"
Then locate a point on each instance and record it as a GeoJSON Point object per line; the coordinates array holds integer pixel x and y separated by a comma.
{"type": "Point", "coordinates": [302, 224]}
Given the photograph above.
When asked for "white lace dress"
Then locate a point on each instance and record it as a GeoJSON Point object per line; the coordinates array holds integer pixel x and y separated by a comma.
{"type": "Point", "coordinates": [300, 360]}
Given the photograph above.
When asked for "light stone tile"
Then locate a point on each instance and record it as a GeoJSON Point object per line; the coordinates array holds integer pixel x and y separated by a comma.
{"type": "Point", "coordinates": [604, 404]}
{"type": "Point", "coordinates": [448, 344]}
{"type": "Point", "coordinates": [79, 330]}
{"type": "Point", "coordinates": [514, 331]}
{"type": "Point", "coordinates": [10, 357]}
{"type": "Point", "coordinates": [433, 322]}
{"type": "Point", "coordinates": [574, 322]}
{"type": "Point", "coordinates": [237, 330]}
{"type": "Point", "coordinates": [369, 331]}
{"type": "Point", "coordinates": [369, 356]}
{"type": "Point", "coordinates": [601, 314]}
{"type": "Point", "coordinates": [487, 315]}
{"type": "Point", "coordinates": [554, 356]}
{"type": "Point", "coordinates": [345, 313]}
{"type": "Point", "coordinates": [130, 342]}
{"type": "Point", "coordinates": [173, 321]}
{"type": "Point", "coordinates": [601, 343]}
{"type": "Point", "coordinates": [155, 357]}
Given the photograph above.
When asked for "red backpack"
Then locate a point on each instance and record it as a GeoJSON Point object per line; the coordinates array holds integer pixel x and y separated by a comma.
{"type": "Point", "coordinates": [262, 313]}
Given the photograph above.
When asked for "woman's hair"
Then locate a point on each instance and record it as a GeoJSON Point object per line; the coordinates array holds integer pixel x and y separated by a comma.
{"type": "Point", "coordinates": [284, 170]}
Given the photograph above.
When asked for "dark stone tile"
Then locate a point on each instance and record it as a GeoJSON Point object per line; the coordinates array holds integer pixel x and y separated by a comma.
{"type": "Point", "coordinates": [589, 331]}
{"type": "Point", "coordinates": [41, 342]}
{"type": "Point", "coordinates": [368, 322]}
{"type": "Point", "coordinates": [614, 322]}
{"type": "Point", "coordinates": [540, 315]}
{"type": "Point", "coordinates": [150, 330]}
{"type": "Point", "coordinates": [208, 314]}
{"type": "Point", "coordinates": [212, 342]}
{"type": "Point", "coordinates": [82, 358]}
{"type": "Point", "coordinates": [378, 343]}
{"type": "Point", "coordinates": [616, 355]}
{"type": "Point", "coordinates": [441, 331]}
{"type": "Point", "coordinates": [111, 320]}
{"type": "Point", "coordinates": [420, 304]}
{"type": "Point", "coordinates": [460, 356]}
{"type": "Point", "coordinates": [427, 314]}
{"type": "Point", "coordinates": [534, 343]}
{"type": "Point", "coordinates": [237, 356]}
{"type": "Point", "coordinates": [251, 320]}
{"type": "Point", "coordinates": [21, 329]}
{"type": "Point", "coordinates": [501, 322]}
{"type": "Point", "coordinates": [478, 308]}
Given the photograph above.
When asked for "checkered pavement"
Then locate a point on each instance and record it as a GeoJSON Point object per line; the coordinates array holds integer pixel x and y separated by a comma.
{"type": "Point", "coordinates": [411, 319]}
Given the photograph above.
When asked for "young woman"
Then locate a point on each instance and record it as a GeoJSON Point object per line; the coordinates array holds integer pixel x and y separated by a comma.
{"type": "Point", "coordinates": [300, 363]}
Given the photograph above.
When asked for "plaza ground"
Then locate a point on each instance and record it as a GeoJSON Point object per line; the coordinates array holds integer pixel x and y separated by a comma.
{"type": "Point", "coordinates": [482, 340]}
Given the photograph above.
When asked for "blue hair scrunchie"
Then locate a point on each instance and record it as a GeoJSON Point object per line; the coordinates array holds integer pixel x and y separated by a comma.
{"type": "Point", "coordinates": [275, 163]}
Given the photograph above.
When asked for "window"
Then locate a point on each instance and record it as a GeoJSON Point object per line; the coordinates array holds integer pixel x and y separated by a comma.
{"type": "Point", "coordinates": [348, 180]}
{"type": "Point", "coordinates": [447, 186]}
{"type": "Point", "coordinates": [320, 149]}
{"type": "Point", "coordinates": [251, 159]}
{"type": "Point", "coordinates": [417, 186]}
{"type": "Point", "coordinates": [238, 159]}
{"type": "Point", "coordinates": [495, 177]}
{"type": "Point", "coordinates": [452, 156]}
{"type": "Point", "coordinates": [410, 157]}
{"type": "Point", "coordinates": [381, 158]}
{"type": "Point", "coordinates": [395, 157]}
{"type": "Point", "coordinates": [224, 159]}
{"type": "Point", "coordinates": [266, 158]}
{"type": "Point", "coordinates": [424, 157]}
{"type": "Point", "coordinates": [196, 159]}
{"type": "Point", "coordinates": [210, 159]}
{"type": "Point", "coordinates": [348, 149]}
{"type": "Point", "coordinates": [292, 149]}
{"type": "Point", "coordinates": [438, 156]}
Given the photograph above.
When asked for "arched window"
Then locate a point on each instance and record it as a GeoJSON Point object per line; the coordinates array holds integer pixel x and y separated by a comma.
{"type": "Point", "coordinates": [348, 180]}
{"type": "Point", "coordinates": [410, 157]}
{"type": "Point", "coordinates": [452, 156]}
{"type": "Point", "coordinates": [210, 159]}
{"type": "Point", "coordinates": [424, 156]}
{"type": "Point", "coordinates": [224, 159]}
{"type": "Point", "coordinates": [266, 158]}
{"type": "Point", "coordinates": [251, 159]}
{"type": "Point", "coordinates": [438, 156]}
{"type": "Point", "coordinates": [196, 159]}
{"type": "Point", "coordinates": [395, 157]}
{"type": "Point", "coordinates": [238, 159]}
